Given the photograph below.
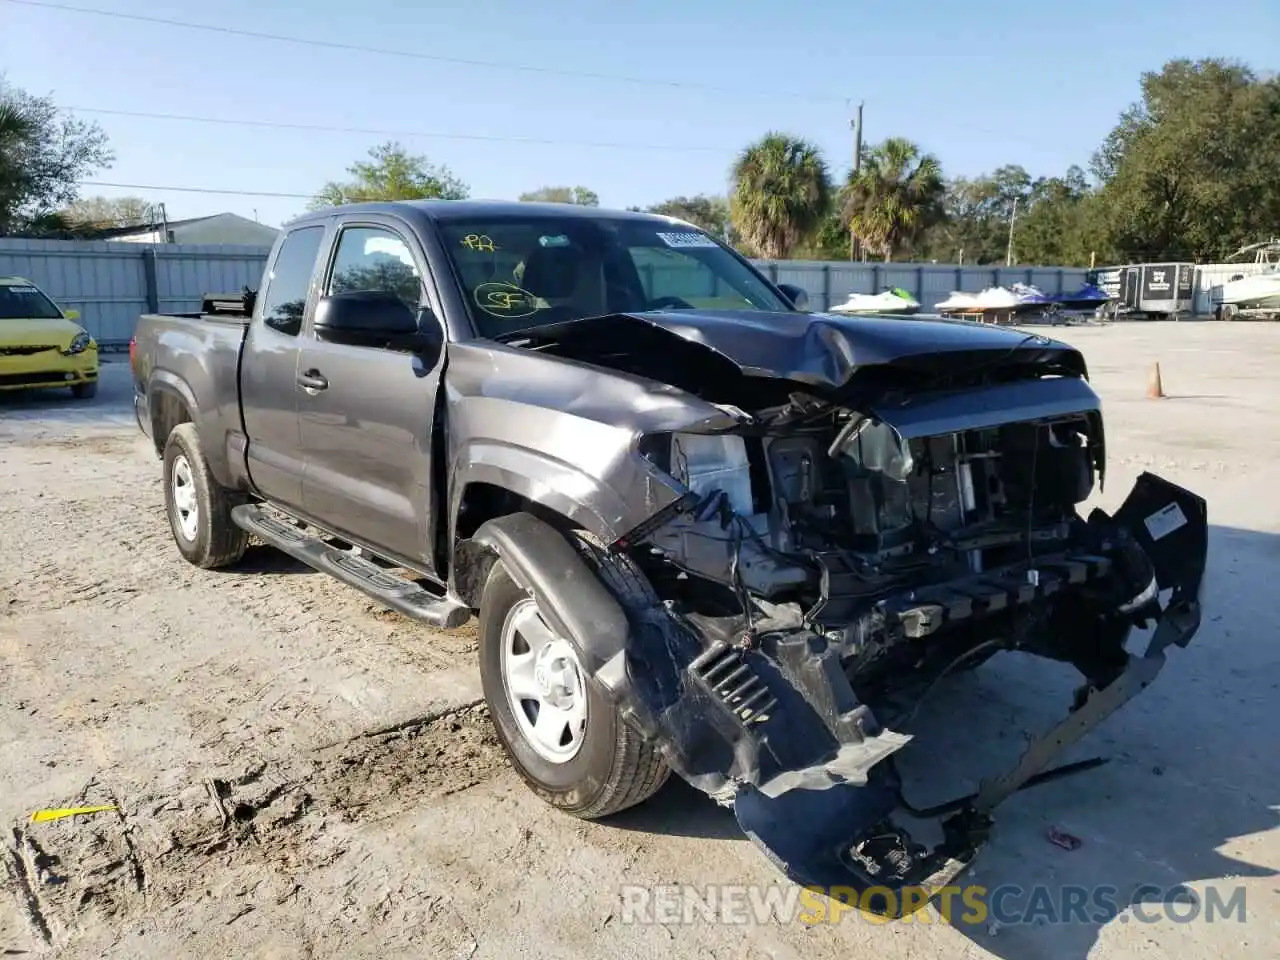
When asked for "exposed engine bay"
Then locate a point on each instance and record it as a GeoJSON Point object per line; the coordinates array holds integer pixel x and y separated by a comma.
{"type": "Point", "coordinates": [832, 518]}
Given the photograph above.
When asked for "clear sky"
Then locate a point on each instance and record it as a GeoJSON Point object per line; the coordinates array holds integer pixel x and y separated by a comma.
{"type": "Point", "coordinates": [980, 83]}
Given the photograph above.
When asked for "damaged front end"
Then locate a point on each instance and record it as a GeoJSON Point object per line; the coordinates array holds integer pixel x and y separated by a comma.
{"type": "Point", "coordinates": [823, 562]}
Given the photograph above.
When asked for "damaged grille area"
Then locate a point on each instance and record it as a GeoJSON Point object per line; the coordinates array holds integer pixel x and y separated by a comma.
{"type": "Point", "coordinates": [867, 528]}
{"type": "Point", "coordinates": [727, 676]}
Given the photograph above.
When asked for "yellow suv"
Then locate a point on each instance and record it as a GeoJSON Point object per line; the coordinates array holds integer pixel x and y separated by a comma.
{"type": "Point", "coordinates": [41, 345]}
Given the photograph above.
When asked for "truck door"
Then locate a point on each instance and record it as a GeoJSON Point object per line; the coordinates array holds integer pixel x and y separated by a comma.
{"type": "Point", "coordinates": [366, 412]}
{"type": "Point", "coordinates": [269, 368]}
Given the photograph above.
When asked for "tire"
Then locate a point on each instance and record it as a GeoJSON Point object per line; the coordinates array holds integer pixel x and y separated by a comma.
{"type": "Point", "coordinates": [211, 539]}
{"type": "Point", "coordinates": [85, 391]}
{"type": "Point", "coordinates": [614, 767]}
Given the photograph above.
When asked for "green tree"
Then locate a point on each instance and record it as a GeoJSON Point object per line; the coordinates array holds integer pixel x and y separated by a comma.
{"type": "Point", "coordinates": [975, 216]}
{"type": "Point", "coordinates": [781, 192]}
{"type": "Point", "coordinates": [895, 198]}
{"type": "Point", "coordinates": [1192, 170]}
{"type": "Point", "coordinates": [43, 156]}
{"type": "Point", "coordinates": [1058, 222]}
{"type": "Point", "coordinates": [711, 213]}
{"type": "Point", "coordinates": [580, 196]}
{"type": "Point", "coordinates": [104, 213]}
{"type": "Point", "coordinates": [392, 173]}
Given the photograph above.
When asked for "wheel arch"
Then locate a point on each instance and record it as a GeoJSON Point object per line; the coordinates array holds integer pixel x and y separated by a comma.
{"type": "Point", "coordinates": [170, 402]}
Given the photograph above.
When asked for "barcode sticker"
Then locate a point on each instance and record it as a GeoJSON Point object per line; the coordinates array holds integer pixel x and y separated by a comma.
{"type": "Point", "coordinates": [686, 240]}
{"type": "Point", "coordinates": [1165, 520]}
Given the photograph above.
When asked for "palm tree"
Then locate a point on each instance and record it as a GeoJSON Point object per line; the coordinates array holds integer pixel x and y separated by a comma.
{"type": "Point", "coordinates": [781, 191]}
{"type": "Point", "coordinates": [894, 198]}
{"type": "Point", "coordinates": [17, 127]}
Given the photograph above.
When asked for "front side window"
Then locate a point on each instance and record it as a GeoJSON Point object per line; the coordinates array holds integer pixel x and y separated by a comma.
{"type": "Point", "coordinates": [286, 298]}
{"type": "Point", "coordinates": [22, 301]}
{"type": "Point", "coordinates": [373, 259]}
{"type": "Point", "coordinates": [528, 270]}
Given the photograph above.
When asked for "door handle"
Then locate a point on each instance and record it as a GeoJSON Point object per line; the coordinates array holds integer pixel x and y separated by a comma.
{"type": "Point", "coordinates": [313, 380]}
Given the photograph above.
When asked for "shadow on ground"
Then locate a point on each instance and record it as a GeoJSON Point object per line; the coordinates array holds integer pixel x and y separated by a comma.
{"type": "Point", "coordinates": [1193, 778]}
{"type": "Point", "coordinates": [260, 558]}
{"type": "Point", "coordinates": [51, 408]}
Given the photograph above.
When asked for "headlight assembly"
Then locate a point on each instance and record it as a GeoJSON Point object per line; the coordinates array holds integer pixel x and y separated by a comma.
{"type": "Point", "coordinates": [79, 344]}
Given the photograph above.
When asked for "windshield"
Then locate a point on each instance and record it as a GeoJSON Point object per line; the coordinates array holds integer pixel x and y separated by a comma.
{"type": "Point", "coordinates": [21, 301]}
{"type": "Point", "coordinates": [525, 271]}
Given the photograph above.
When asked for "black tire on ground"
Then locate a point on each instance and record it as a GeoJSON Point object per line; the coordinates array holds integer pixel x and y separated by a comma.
{"type": "Point", "coordinates": [85, 391]}
{"type": "Point", "coordinates": [615, 768]}
{"type": "Point", "coordinates": [217, 542]}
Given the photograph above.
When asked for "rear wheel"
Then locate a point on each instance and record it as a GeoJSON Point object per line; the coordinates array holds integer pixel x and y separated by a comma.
{"type": "Point", "coordinates": [199, 508]}
{"type": "Point", "coordinates": [561, 733]}
{"type": "Point", "coordinates": [85, 391]}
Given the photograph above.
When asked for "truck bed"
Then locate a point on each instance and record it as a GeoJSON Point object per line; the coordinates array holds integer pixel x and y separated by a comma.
{"type": "Point", "coordinates": [200, 351]}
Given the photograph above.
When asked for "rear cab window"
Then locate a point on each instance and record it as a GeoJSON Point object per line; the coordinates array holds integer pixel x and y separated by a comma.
{"type": "Point", "coordinates": [290, 279]}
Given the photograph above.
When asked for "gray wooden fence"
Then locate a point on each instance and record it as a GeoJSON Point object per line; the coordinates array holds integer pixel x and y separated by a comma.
{"type": "Point", "coordinates": [829, 283]}
{"type": "Point", "coordinates": [111, 283]}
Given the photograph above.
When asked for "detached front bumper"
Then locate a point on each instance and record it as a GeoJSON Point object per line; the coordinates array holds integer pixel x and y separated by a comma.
{"type": "Point", "coordinates": [47, 368]}
{"type": "Point", "coordinates": [822, 813]}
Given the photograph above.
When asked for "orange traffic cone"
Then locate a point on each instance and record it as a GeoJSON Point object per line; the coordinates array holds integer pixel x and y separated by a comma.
{"type": "Point", "coordinates": [1155, 389]}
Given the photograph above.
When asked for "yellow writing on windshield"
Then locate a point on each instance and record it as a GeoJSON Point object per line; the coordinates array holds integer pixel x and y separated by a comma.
{"type": "Point", "coordinates": [505, 300]}
{"type": "Point", "coordinates": [478, 241]}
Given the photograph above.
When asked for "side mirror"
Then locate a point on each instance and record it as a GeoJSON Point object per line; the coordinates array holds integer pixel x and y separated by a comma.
{"type": "Point", "coordinates": [797, 295]}
{"type": "Point", "coordinates": [373, 318]}
{"type": "Point", "coordinates": [71, 314]}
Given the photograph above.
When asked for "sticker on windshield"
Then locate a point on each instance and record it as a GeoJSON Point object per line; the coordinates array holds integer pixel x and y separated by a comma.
{"type": "Point", "coordinates": [685, 240]}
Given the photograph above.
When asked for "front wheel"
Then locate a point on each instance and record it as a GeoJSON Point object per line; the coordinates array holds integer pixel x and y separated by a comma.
{"type": "Point", "coordinates": [85, 391]}
{"type": "Point", "coordinates": [561, 733]}
{"type": "Point", "coordinates": [199, 508]}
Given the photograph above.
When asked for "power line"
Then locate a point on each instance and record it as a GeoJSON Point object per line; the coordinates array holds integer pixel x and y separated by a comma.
{"type": "Point", "coordinates": [414, 55]}
{"type": "Point", "coordinates": [207, 190]}
{"type": "Point", "coordinates": [423, 134]}
{"type": "Point", "coordinates": [469, 62]}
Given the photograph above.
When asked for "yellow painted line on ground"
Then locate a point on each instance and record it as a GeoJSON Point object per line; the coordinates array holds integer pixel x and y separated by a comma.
{"type": "Point", "coordinates": [43, 816]}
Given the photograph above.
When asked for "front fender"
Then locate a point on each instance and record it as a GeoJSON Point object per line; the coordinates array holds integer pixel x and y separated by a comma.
{"type": "Point", "coordinates": [578, 606]}
{"type": "Point", "coordinates": [559, 486]}
{"type": "Point", "coordinates": [588, 500]}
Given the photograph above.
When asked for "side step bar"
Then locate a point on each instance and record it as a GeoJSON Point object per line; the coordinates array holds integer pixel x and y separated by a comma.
{"type": "Point", "coordinates": [403, 596]}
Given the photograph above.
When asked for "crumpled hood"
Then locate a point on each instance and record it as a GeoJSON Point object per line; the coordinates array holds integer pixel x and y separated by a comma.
{"type": "Point", "coordinates": [34, 332]}
{"type": "Point", "coordinates": [821, 351]}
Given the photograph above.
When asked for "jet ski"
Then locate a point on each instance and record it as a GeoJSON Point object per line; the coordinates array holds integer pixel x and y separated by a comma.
{"type": "Point", "coordinates": [1030, 295]}
{"type": "Point", "coordinates": [1088, 297]}
{"type": "Point", "coordinates": [894, 301]}
{"type": "Point", "coordinates": [995, 304]}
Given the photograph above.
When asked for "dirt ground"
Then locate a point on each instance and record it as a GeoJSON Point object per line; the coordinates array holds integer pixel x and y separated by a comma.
{"type": "Point", "coordinates": [301, 774]}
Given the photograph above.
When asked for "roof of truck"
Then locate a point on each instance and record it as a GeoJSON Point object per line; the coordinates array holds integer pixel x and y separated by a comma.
{"type": "Point", "coordinates": [471, 209]}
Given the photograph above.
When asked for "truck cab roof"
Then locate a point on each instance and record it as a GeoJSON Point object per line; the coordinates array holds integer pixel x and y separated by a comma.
{"type": "Point", "coordinates": [444, 210]}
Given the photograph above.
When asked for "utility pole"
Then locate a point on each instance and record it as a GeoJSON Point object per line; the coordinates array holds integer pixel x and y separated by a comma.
{"type": "Point", "coordinates": [1008, 257]}
{"type": "Point", "coordinates": [856, 124]}
{"type": "Point", "coordinates": [857, 141]}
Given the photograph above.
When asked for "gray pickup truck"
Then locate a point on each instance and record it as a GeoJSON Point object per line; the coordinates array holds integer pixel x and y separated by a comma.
{"type": "Point", "coordinates": [704, 529]}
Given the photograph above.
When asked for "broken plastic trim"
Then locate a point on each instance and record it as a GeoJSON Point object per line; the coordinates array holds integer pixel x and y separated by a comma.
{"type": "Point", "coordinates": [823, 838]}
